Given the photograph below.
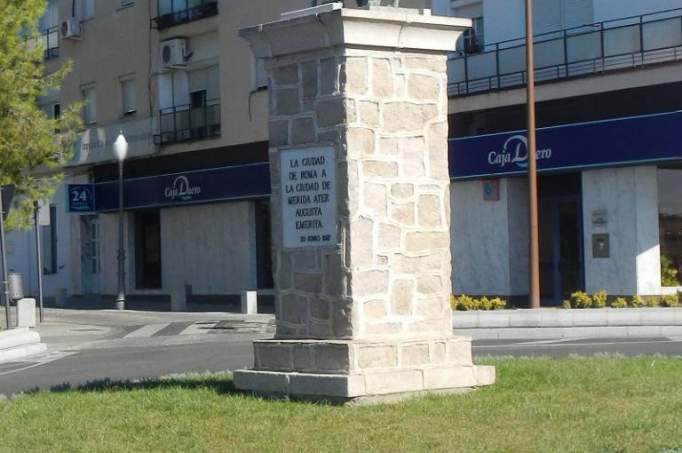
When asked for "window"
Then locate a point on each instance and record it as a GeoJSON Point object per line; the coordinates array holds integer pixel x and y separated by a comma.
{"type": "Point", "coordinates": [49, 243]}
{"type": "Point", "coordinates": [473, 37]}
{"type": "Point", "coordinates": [260, 75]}
{"type": "Point", "coordinates": [87, 9]}
{"type": "Point", "coordinates": [670, 225]}
{"type": "Point", "coordinates": [128, 98]}
{"type": "Point", "coordinates": [89, 105]}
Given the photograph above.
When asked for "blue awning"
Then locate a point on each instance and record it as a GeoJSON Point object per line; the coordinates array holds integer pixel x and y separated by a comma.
{"type": "Point", "coordinates": [201, 186]}
{"type": "Point", "coordinates": [624, 141]}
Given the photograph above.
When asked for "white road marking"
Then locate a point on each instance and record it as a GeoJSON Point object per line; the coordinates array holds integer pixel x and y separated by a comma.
{"type": "Point", "coordinates": [559, 345]}
{"type": "Point", "coordinates": [39, 360]}
{"type": "Point", "coordinates": [560, 340]}
{"type": "Point", "coordinates": [147, 331]}
{"type": "Point", "coordinates": [199, 328]}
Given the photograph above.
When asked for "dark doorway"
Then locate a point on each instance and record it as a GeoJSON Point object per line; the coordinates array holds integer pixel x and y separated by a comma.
{"type": "Point", "coordinates": [263, 245]}
{"type": "Point", "coordinates": [561, 243]}
{"type": "Point", "coordinates": [148, 249]}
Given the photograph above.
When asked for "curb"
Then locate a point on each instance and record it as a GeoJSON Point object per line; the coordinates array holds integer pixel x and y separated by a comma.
{"type": "Point", "coordinates": [19, 343]}
{"type": "Point", "coordinates": [551, 323]}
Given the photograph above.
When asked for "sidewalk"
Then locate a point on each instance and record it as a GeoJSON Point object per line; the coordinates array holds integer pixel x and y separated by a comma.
{"type": "Point", "coordinates": [69, 328]}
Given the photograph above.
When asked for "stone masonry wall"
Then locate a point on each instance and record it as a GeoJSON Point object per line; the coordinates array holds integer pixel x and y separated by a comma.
{"type": "Point", "coordinates": [385, 114]}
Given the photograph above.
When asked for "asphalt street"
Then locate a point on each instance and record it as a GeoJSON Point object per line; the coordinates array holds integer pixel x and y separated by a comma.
{"type": "Point", "coordinates": [133, 357]}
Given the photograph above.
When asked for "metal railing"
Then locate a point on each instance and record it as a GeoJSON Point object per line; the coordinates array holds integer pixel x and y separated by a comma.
{"type": "Point", "coordinates": [195, 10]}
{"type": "Point", "coordinates": [186, 123]}
{"type": "Point", "coordinates": [48, 40]}
{"type": "Point", "coordinates": [629, 42]}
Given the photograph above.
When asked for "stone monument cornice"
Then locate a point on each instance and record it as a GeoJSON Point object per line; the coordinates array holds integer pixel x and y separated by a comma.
{"type": "Point", "coordinates": [330, 25]}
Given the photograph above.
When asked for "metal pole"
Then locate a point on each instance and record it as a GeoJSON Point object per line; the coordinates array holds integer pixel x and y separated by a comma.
{"type": "Point", "coordinates": [3, 263]}
{"type": "Point", "coordinates": [121, 298]}
{"type": "Point", "coordinates": [534, 289]}
{"type": "Point", "coordinates": [39, 261]}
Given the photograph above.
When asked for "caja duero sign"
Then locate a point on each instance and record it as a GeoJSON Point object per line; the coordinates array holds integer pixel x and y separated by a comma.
{"type": "Point", "coordinates": [201, 186]}
{"type": "Point", "coordinates": [624, 141]}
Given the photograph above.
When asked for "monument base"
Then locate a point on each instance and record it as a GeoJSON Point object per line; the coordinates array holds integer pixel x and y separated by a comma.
{"type": "Point", "coordinates": [362, 371]}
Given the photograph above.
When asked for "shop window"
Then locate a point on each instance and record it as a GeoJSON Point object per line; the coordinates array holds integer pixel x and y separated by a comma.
{"type": "Point", "coordinates": [670, 225]}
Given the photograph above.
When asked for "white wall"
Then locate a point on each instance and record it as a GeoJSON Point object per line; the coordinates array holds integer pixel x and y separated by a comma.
{"type": "Point", "coordinates": [480, 240]}
{"type": "Point", "coordinates": [614, 9]}
{"type": "Point", "coordinates": [21, 251]}
{"type": "Point", "coordinates": [211, 247]}
{"type": "Point", "coordinates": [630, 197]}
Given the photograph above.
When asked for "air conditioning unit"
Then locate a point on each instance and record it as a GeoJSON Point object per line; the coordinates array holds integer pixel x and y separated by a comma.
{"type": "Point", "coordinates": [71, 28]}
{"type": "Point", "coordinates": [174, 53]}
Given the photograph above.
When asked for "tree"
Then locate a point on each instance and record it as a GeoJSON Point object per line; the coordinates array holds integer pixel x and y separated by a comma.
{"type": "Point", "coordinates": [33, 147]}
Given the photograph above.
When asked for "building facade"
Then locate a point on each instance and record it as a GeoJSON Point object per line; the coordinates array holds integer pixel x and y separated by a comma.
{"type": "Point", "coordinates": [609, 155]}
{"type": "Point", "coordinates": [175, 77]}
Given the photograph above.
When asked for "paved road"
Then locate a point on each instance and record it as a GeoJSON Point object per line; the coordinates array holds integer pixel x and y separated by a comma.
{"type": "Point", "coordinates": [138, 356]}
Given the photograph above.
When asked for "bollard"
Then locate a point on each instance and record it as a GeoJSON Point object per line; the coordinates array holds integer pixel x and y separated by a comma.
{"type": "Point", "coordinates": [249, 303]}
{"type": "Point", "coordinates": [26, 313]}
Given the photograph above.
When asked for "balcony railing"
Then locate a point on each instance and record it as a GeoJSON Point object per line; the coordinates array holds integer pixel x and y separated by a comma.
{"type": "Point", "coordinates": [48, 40]}
{"type": "Point", "coordinates": [629, 42]}
{"type": "Point", "coordinates": [186, 123]}
{"type": "Point", "coordinates": [195, 10]}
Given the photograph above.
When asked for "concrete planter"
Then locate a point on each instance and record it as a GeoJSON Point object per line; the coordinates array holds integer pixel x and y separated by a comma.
{"type": "Point", "coordinates": [558, 323]}
{"type": "Point", "coordinates": [19, 343]}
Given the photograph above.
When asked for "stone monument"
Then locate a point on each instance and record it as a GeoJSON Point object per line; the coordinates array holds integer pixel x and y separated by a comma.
{"type": "Point", "coordinates": [360, 207]}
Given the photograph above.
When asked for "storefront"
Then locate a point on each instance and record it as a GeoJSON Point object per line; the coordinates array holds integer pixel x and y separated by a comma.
{"type": "Point", "coordinates": [203, 232]}
{"type": "Point", "coordinates": [609, 209]}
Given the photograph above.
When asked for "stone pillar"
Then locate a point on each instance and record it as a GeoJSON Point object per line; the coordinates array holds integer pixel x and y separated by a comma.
{"type": "Point", "coordinates": [360, 206]}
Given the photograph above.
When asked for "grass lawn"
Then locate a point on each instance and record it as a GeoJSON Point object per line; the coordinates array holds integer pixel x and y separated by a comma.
{"type": "Point", "coordinates": [543, 405]}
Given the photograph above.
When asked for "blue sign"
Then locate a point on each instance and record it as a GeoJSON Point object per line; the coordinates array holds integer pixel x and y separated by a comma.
{"type": "Point", "coordinates": [201, 186]}
{"type": "Point", "coordinates": [81, 197]}
{"type": "Point", "coordinates": [625, 141]}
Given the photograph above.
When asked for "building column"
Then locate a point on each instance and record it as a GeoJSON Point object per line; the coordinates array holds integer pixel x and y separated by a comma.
{"type": "Point", "coordinates": [360, 206]}
{"type": "Point", "coordinates": [620, 217]}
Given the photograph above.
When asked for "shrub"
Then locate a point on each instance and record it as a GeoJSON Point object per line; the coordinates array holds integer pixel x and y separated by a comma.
{"type": "Point", "coordinates": [580, 299]}
{"type": "Point", "coordinates": [566, 304]}
{"type": "Point", "coordinates": [599, 299]}
{"type": "Point", "coordinates": [484, 304]}
{"type": "Point", "coordinates": [651, 301]}
{"type": "Point", "coordinates": [637, 301]}
{"type": "Point", "coordinates": [619, 303]}
{"type": "Point", "coordinates": [669, 275]}
{"type": "Point", "coordinates": [498, 303]}
{"type": "Point", "coordinates": [670, 300]}
{"type": "Point", "coordinates": [463, 303]}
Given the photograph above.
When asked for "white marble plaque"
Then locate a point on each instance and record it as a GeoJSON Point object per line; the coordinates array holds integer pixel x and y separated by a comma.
{"type": "Point", "coordinates": [308, 182]}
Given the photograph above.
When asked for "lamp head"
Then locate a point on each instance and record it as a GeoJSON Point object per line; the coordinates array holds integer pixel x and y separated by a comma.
{"type": "Point", "coordinates": [120, 147]}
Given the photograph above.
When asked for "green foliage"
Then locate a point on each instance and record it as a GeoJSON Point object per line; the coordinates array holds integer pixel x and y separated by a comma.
{"type": "Point", "coordinates": [599, 299]}
{"type": "Point", "coordinates": [619, 303]}
{"type": "Point", "coordinates": [468, 303]}
{"type": "Point", "coordinates": [31, 153]}
{"type": "Point", "coordinates": [580, 299]}
{"type": "Point", "coordinates": [637, 301]}
{"type": "Point", "coordinates": [670, 300]}
{"type": "Point", "coordinates": [566, 304]}
{"type": "Point", "coordinates": [669, 275]}
{"type": "Point", "coordinates": [484, 304]}
{"type": "Point", "coordinates": [651, 301]}
{"type": "Point", "coordinates": [498, 303]}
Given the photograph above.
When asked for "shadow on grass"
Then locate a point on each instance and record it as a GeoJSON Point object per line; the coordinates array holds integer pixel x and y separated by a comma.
{"type": "Point", "coordinates": [222, 385]}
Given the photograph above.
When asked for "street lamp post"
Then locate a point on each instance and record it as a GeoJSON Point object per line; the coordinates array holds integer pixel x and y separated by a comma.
{"type": "Point", "coordinates": [120, 152]}
{"type": "Point", "coordinates": [534, 281]}
{"type": "Point", "coordinates": [3, 263]}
